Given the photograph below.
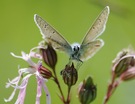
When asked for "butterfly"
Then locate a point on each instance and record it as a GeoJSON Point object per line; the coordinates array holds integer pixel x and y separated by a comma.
{"type": "Point", "coordinates": [80, 52]}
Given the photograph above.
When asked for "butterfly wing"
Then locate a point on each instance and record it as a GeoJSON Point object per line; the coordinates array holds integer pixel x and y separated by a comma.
{"type": "Point", "coordinates": [89, 44]}
{"type": "Point", "coordinates": [90, 49]}
{"type": "Point", "coordinates": [50, 35]}
{"type": "Point", "coordinates": [98, 26]}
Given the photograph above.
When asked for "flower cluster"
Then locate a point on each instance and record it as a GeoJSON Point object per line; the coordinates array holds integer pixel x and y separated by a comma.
{"type": "Point", "coordinates": [47, 54]}
{"type": "Point", "coordinates": [23, 77]}
{"type": "Point", "coordinates": [123, 69]}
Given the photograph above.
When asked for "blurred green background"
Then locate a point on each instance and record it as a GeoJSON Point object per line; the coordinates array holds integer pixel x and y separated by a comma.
{"type": "Point", "coordinates": [72, 18]}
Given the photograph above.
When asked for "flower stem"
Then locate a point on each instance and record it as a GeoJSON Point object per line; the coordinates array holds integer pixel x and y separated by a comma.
{"type": "Point", "coordinates": [111, 88]}
{"type": "Point", "coordinates": [68, 95]}
{"type": "Point", "coordinates": [59, 87]}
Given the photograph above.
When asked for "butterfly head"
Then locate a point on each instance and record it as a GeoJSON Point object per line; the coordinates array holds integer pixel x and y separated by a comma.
{"type": "Point", "coordinates": [75, 51]}
{"type": "Point", "coordinates": [75, 47]}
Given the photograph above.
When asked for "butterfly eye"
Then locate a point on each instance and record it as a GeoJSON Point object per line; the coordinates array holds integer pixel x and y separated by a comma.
{"type": "Point", "coordinates": [74, 49]}
{"type": "Point", "coordinates": [78, 48]}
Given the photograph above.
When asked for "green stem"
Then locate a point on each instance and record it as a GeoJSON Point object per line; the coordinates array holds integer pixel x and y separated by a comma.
{"type": "Point", "coordinates": [68, 96]}
{"type": "Point", "coordinates": [59, 87]}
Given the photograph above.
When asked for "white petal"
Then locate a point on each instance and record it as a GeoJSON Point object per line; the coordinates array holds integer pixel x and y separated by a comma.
{"type": "Point", "coordinates": [27, 70]}
{"type": "Point", "coordinates": [48, 97]}
{"type": "Point", "coordinates": [16, 55]}
{"type": "Point", "coordinates": [11, 96]}
{"type": "Point", "coordinates": [39, 91]}
{"type": "Point", "coordinates": [35, 55]}
{"type": "Point", "coordinates": [14, 81]}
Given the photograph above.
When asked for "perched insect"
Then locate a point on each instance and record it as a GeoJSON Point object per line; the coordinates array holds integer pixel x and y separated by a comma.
{"type": "Point", "coordinates": [89, 46]}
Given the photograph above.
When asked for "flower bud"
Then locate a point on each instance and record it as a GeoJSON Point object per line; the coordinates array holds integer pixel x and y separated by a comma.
{"type": "Point", "coordinates": [49, 56]}
{"type": "Point", "coordinates": [128, 75]}
{"type": "Point", "coordinates": [120, 55]}
{"type": "Point", "coordinates": [70, 75]}
{"type": "Point", "coordinates": [124, 64]}
{"type": "Point", "coordinates": [45, 73]}
{"type": "Point", "coordinates": [87, 91]}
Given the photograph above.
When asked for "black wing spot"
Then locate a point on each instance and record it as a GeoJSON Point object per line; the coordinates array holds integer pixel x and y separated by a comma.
{"type": "Point", "coordinates": [93, 27]}
{"type": "Point", "coordinates": [45, 25]}
{"type": "Point", "coordinates": [99, 20]}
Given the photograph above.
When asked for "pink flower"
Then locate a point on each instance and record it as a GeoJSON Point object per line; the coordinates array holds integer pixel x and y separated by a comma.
{"type": "Point", "coordinates": [23, 77]}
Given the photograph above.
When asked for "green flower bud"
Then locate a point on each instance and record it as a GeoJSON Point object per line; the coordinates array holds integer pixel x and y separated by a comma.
{"type": "Point", "coordinates": [124, 64]}
{"type": "Point", "coordinates": [125, 60]}
{"type": "Point", "coordinates": [87, 91]}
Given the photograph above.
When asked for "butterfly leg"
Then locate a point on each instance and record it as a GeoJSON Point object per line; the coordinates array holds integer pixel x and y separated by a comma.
{"type": "Point", "coordinates": [79, 64]}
